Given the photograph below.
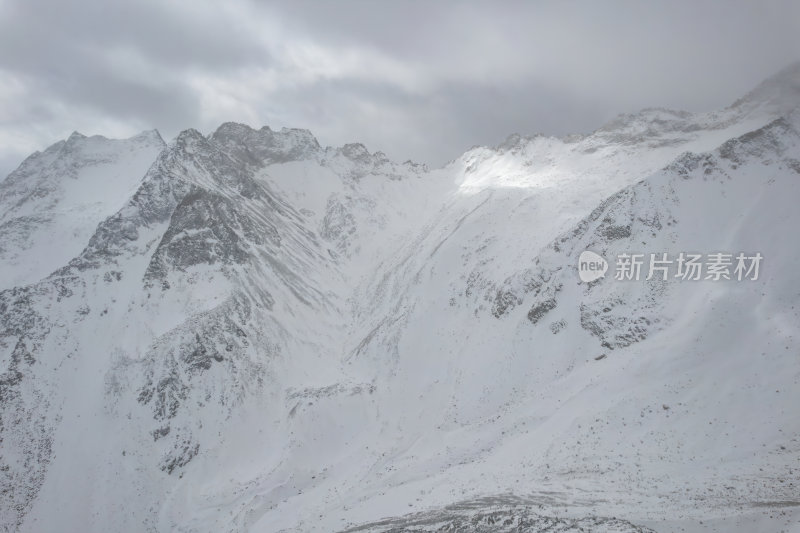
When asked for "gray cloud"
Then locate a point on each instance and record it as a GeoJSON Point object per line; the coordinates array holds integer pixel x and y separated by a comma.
{"type": "Point", "coordinates": [418, 80]}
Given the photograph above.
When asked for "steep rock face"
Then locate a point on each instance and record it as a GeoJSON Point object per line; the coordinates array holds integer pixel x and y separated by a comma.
{"type": "Point", "coordinates": [264, 146]}
{"type": "Point", "coordinates": [494, 515]}
{"type": "Point", "coordinates": [28, 414]}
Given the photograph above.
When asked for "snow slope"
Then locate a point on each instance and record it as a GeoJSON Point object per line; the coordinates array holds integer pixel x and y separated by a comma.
{"type": "Point", "coordinates": [247, 331]}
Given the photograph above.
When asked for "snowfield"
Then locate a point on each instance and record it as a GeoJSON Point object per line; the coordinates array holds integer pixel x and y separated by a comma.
{"type": "Point", "coordinates": [247, 331]}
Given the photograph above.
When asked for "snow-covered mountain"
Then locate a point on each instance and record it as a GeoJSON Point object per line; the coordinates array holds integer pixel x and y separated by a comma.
{"type": "Point", "coordinates": [52, 203]}
{"type": "Point", "coordinates": [247, 331]}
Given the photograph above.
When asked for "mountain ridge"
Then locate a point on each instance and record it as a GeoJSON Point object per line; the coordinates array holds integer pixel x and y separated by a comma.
{"type": "Point", "coordinates": [269, 335]}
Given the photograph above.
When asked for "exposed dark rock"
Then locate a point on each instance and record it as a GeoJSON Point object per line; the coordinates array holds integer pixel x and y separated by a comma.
{"type": "Point", "coordinates": [539, 309]}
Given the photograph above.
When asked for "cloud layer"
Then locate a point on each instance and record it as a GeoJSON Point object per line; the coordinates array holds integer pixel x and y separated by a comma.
{"type": "Point", "coordinates": [418, 80]}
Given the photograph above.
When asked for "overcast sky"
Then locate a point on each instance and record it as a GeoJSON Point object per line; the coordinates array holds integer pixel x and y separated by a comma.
{"type": "Point", "coordinates": [418, 80]}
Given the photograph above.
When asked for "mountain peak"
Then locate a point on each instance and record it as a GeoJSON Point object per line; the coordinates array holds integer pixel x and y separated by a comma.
{"type": "Point", "coordinates": [265, 146]}
{"type": "Point", "coordinates": [235, 129]}
{"type": "Point", "coordinates": [355, 151]}
{"type": "Point", "coordinates": [189, 137]}
{"type": "Point", "coordinates": [75, 136]}
{"type": "Point", "coordinates": [780, 92]}
{"type": "Point", "coordinates": [189, 134]}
